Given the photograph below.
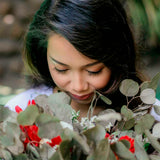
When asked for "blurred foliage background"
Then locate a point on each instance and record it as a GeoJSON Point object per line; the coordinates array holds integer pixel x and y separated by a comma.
{"type": "Point", "coordinates": [15, 15]}
{"type": "Point", "coordinates": [144, 16]}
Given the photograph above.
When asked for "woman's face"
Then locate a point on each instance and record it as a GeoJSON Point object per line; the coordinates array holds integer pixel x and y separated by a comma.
{"type": "Point", "coordinates": [73, 72]}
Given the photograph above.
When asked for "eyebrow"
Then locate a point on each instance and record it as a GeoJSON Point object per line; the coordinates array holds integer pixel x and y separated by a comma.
{"type": "Point", "coordinates": [87, 65]}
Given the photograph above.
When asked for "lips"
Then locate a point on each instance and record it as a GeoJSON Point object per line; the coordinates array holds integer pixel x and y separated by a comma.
{"type": "Point", "coordinates": [83, 97]}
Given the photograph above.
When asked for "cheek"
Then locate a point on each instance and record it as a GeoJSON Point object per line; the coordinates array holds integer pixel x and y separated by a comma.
{"type": "Point", "coordinates": [59, 80]}
{"type": "Point", "coordinates": [101, 81]}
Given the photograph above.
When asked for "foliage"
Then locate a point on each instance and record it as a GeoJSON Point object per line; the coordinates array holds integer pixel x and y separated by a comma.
{"type": "Point", "coordinates": [49, 128]}
{"type": "Point", "coordinates": [145, 16]}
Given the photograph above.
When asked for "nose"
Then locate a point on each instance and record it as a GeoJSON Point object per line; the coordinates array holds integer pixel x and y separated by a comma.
{"type": "Point", "coordinates": [79, 83]}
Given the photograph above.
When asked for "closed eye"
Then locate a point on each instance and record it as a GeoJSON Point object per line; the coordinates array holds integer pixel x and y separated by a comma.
{"type": "Point", "coordinates": [94, 73]}
{"type": "Point", "coordinates": [61, 70]}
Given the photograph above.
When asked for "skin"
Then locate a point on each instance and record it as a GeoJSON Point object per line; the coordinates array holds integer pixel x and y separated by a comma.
{"type": "Point", "coordinates": [75, 73]}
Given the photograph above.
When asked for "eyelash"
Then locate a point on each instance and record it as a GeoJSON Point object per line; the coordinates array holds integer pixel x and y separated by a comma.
{"type": "Point", "coordinates": [90, 72]}
{"type": "Point", "coordinates": [60, 71]}
{"type": "Point", "coordinates": [94, 73]}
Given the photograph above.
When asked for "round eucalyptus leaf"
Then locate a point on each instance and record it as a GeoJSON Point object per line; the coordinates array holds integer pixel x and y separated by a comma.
{"type": "Point", "coordinates": [17, 148]}
{"type": "Point", "coordinates": [144, 85]}
{"type": "Point", "coordinates": [148, 96]}
{"type": "Point", "coordinates": [44, 118]}
{"type": "Point", "coordinates": [156, 130]}
{"type": "Point", "coordinates": [139, 150]}
{"type": "Point", "coordinates": [102, 151]}
{"type": "Point", "coordinates": [129, 88]}
{"type": "Point", "coordinates": [129, 124]}
{"type": "Point", "coordinates": [120, 149]}
{"type": "Point", "coordinates": [125, 111]}
{"type": "Point", "coordinates": [4, 113]}
{"type": "Point", "coordinates": [145, 123]}
{"type": "Point", "coordinates": [49, 130]}
{"type": "Point", "coordinates": [28, 116]}
{"type": "Point", "coordinates": [153, 84]}
{"type": "Point", "coordinates": [157, 109]}
{"type": "Point", "coordinates": [95, 134]}
{"type": "Point", "coordinates": [153, 140]}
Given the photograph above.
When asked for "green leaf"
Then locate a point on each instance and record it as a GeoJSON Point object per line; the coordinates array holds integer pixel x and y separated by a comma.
{"type": "Point", "coordinates": [126, 143]}
{"type": "Point", "coordinates": [59, 98]}
{"type": "Point", "coordinates": [4, 113]}
{"type": "Point", "coordinates": [112, 155]}
{"type": "Point", "coordinates": [146, 122]}
{"type": "Point", "coordinates": [109, 116]}
{"type": "Point", "coordinates": [155, 80]}
{"type": "Point", "coordinates": [153, 140]}
{"type": "Point", "coordinates": [129, 124]}
{"type": "Point", "coordinates": [56, 156]}
{"type": "Point", "coordinates": [144, 85]}
{"type": "Point", "coordinates": [153, 157]}
{"type": "Point", "coordinates": [44, 118]}
{"type": "Point", "coordinates": [156, 130]}
{"type": "Point", "coordinates": [6, 155]}
{"type": "Point", "coordinates": [153, 84]}
{"type": "Point", "coordinates": [28, 116]}
{"type": "Point", "coordinates": [21, 157]}
{"type": "Point", "coordinates": [65, 148]}
{"type": "Point", "coordinates": [59, 104]}
{"type": "Point", "coordinates": [49, 130]}
{"type": "Point", "coordinates": [6, 140]}
{"type": "Point", "coordinates": [33, 152]}
{"type": "Point", "coordinates": [45, 151]}
{"type": "Point", "coordinates": [17, 148]}
{"type": "Point", "coordinates": [129, 88]}
{"type": "Point", "coordinates": [95, 134]}
{"type": "Point", "coordinates": [71, 135]}
{"type": "Point", "coordinates": [126, 112]}
{"type": "Point", "coordinates": [157, 109]}
{"type": "Point", "coordinates": [120, 149]}
{"type": "Point", "coordinates": [12, 131]}
{"type": "Point", "coordinates": [139, 150]}
{"type": "Point", "coordinates": [148, 96]}
{"type": "Point", "coordinates": [102, 151]}
{"type": "Point", "coordinates": [104, 98]}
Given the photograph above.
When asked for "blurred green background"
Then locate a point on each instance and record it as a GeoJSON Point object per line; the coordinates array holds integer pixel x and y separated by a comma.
{"type": "Point", "coordinates": [15, 15]}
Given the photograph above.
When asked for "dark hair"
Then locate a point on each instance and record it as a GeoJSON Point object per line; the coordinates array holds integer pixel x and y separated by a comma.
{"type": "Point", "coordinates": [96, 28]}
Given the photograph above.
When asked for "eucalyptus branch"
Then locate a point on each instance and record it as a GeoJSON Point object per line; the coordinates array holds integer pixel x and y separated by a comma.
{"type": "Point", "coordinates": [133, 98]}
{"type": "Point", "coordinates": [91, 106]}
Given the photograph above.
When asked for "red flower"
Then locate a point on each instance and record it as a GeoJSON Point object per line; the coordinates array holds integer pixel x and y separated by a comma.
{"type": "Point", "coordinates": [31, 132]}
{"type": "Point", "coordinates": [107, 135]}
{"type": "Point", "coordinates": [31, 102]}
{"type": "Point", "coordinates": [18, 109]}
{"type": "Point", "coordinates": [55, 141]}
{"type": "Point", "coordinates": [131, 140]}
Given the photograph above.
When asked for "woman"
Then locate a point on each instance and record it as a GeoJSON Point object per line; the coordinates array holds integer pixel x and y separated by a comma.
{"type": "Point", "coordinates": [79, 46]}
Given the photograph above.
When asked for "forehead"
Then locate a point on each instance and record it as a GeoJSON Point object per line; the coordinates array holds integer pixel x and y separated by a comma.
{"type": "Point", "coordinates": [63, 51]}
